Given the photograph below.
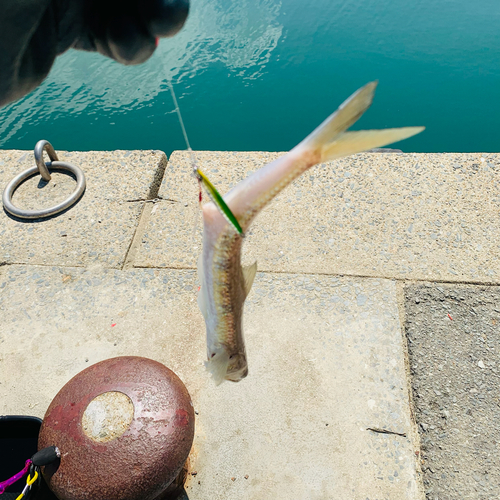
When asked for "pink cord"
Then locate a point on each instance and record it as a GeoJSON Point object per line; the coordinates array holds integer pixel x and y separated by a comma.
{"type": "Point", "coordinates": [5, 484]}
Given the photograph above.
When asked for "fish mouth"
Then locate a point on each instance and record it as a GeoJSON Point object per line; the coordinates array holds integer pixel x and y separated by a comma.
{"type": "Point", "coordinates": [237, 374]}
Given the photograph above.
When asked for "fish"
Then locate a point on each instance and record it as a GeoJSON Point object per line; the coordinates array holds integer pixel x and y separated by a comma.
{"type": "Point", "coordinates": [225, 284]}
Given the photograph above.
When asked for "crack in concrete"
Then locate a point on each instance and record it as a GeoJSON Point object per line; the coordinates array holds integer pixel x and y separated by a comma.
{"type": "Point", "coordinates": [152, 200]}
{"type": "Point", "coordinates": [378, 430]}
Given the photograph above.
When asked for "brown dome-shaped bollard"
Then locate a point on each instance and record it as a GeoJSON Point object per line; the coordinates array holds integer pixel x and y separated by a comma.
{"type": "Point", "coordinates": [124, 428]}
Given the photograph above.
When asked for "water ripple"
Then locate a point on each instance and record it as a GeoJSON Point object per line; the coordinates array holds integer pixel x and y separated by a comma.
{"type": "Point", "coordinates": [241, 34]}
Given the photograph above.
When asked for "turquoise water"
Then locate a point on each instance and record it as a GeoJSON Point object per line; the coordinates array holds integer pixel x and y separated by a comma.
{"type": "Point", "coordinates": [261, 74]}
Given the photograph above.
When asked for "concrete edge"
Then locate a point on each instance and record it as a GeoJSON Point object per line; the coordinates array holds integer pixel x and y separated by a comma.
{"type": "Point", "coordinates": [415, 435]}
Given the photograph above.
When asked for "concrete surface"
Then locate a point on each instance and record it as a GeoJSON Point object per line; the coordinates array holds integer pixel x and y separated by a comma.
{"type": "Point", "coordinates": [325, 358]}
{"type": "Point", "coordinates": [99, 228]}
{"type": "Point", "coordinates": [328, 354]}
{"type": "Point", "coordinates": [454, 340]}
{"type": "Point", "coordinates": [403, 216]}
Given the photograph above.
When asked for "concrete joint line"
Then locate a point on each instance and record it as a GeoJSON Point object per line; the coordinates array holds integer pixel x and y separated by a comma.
{"type": "Point", "coordinates": [414, 433]}
{"type": "Point", "coordinates": [147, 208]}
{"type": "Point", "coordinates": [138, 234]}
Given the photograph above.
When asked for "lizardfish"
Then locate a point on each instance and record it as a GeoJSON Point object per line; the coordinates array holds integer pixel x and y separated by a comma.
{"type": "Point", "coordinates": [224, 283]}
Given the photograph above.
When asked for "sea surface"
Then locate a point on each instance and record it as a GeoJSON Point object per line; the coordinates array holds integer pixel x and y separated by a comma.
{"type": "Point", "coordinates": [261, 74]}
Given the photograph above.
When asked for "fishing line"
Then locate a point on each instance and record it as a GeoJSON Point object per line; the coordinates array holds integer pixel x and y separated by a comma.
{"type": "Point", "coordinates": [181, 121]}
{"type": "Point", "coordinates": [190, 151]}
{"type": "Point", "coordinates": [200, 176]}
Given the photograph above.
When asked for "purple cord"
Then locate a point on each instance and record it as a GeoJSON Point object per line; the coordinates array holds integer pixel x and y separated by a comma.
{"type": "Point", "coordinates": [5, 484]}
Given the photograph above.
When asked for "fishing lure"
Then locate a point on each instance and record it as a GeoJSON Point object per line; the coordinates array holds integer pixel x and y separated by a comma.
{"type": "Point", "coordinates": [217, 200]}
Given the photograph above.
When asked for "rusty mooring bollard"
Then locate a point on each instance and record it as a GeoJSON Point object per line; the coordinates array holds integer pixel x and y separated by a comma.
{"type": "Point", "coordinates": [124, 428]}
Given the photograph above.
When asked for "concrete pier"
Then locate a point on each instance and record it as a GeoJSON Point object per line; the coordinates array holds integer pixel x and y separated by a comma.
{"type": "Point", "coordinates": [355, 325]}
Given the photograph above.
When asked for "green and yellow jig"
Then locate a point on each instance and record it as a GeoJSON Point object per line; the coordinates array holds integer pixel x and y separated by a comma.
{"type": "Point", "coordinates": [217, 199]}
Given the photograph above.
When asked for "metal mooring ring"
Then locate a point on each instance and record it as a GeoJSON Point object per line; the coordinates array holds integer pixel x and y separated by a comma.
{"type": "Point", "coordinates": [43, 168]}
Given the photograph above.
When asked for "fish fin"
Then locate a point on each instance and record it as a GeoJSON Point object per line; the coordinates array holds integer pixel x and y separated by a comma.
{"type": "Point", "coordinates": [202, 300]}
{"type": "Point", "coordinates": [357, 141]}
{"type": "Point", "coordinates": [249, 275]}
{"type": "Point", "coordinates": [330, 140]}
{"type": "Point", "coordinates": [347, 113]}
{"type": "Point", "coordinates": [217, 365]}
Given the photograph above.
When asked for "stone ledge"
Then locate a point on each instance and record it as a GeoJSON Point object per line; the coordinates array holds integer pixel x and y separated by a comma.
{"type": "Point", "coordinates": [325, 359]}
{"type": "Point", "coordinates": [96, 230]}
{"type": "Point", "coordinates": [405, 216]}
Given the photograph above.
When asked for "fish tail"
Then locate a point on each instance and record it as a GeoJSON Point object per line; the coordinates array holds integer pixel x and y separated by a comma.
{"type": "Point", "coordinates": [330, 141]}
{"type": "Point", "coordinates": [217, 365]}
